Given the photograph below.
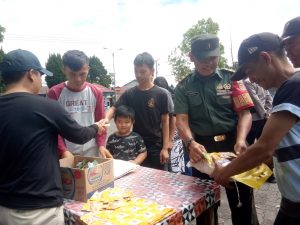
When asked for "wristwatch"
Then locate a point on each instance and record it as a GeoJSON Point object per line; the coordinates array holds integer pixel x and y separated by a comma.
{"type": "Point", "coordinates": [188, 143]}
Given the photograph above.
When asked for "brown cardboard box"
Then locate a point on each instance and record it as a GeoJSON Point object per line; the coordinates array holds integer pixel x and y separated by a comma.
{"type": "Point", "coordinates": [80, 184]}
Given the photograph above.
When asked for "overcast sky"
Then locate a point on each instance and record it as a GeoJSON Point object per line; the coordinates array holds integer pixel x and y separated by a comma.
{"type": "Point", "coordinates": [156, 26]}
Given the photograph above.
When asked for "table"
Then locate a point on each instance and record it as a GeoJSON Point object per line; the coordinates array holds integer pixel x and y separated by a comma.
{"type": "Point", "coordinates": [190, 196]}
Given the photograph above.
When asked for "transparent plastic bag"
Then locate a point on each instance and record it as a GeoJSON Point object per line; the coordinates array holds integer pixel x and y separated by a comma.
{"type": "Point", "coordinates": [253, 178]}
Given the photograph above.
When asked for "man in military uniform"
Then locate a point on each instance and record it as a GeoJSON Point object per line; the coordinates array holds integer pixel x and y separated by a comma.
{"type": "Point", "coordinates": [212, 115]}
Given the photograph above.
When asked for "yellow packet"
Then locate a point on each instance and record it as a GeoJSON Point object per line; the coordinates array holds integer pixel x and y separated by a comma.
{"type": "Point", "coordinates": [254, 177]}
{"type": "Point", "coordinates": [92, 219]}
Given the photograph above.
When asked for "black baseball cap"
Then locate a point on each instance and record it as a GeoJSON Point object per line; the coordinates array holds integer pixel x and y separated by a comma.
{"type": "Point", "coordinates": [251, 47]}
{"type": "Point", "coordinates": [21, 60]}
{"type": "Point", "coordinates": [205, 45]}
{"type": "Point", "coordinates": [291, 28]}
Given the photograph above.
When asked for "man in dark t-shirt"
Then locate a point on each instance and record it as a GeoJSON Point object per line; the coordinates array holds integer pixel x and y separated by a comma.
{"type": "Point", "coordinates": [30, 181]}
{"type": "Point", "coordinates": [150, 104]}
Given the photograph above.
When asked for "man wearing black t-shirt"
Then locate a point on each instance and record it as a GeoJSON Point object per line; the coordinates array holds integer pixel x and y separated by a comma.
{"type": "Point", "coordinates": [150, 104]}
{"type": "Point", "coordinates": [30, 182]}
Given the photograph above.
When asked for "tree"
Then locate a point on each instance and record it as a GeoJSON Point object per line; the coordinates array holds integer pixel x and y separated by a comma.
{"type": "Point", "coordinates": [2, 31]}
{"type": "Point", "coordinates": [98, 74]}
{"type": "Point", "coordinates": [178, 59]}
{"type": "Point", "coordinates": [54, 64]}
{"type": "Point", "coordinates": [2, 86]}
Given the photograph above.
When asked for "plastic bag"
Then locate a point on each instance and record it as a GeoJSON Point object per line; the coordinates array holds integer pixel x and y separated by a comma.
{"type": "Point", "coordinates": [207, 166]}
{"type": "Point", "coordinates": [253, 178]}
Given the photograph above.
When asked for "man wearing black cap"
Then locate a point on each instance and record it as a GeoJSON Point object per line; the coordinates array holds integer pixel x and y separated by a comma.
{"type": "Point", "coordinates": [212, 115]}
{"type": "Point", "coordinates": [30, 181]}
{"type": "Point", "coordinates": [262, 58]}
{"type": "Point", "coordinates": [291, 40]}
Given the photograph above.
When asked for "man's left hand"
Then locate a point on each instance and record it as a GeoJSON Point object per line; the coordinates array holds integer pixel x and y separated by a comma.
{"type": "Point", "coordinates": [104, 153]}
{"type": "Point", "coordinates": [164, 156]}
{"type": "Point", "coordinates": [219, 176]}
{"type": "Point", "coordinates": [240, 147]}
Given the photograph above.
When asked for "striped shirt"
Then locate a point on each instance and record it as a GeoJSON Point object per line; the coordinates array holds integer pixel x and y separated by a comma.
{"type": "Point", "coordinates": [287, 155]}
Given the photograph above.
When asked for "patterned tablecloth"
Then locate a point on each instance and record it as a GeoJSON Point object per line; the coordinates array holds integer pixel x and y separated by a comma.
{"type": "Point", "coordinates": [190, 196]}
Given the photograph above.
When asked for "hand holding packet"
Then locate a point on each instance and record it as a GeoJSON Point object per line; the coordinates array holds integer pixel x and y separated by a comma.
{"type": "Point", "coordinates": [207, 165]}
{"type": "Point", "coordinates": [253, 178]}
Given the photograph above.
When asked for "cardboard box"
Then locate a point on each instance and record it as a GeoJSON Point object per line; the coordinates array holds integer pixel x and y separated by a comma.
{"type": "Point", "coordinates": [80, 184]}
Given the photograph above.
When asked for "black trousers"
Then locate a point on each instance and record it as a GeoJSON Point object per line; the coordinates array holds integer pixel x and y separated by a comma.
{"type": "Point", "coordinates": [255, 131]}
{"type": "Point", "coordinates": [288, 213]}
{"type": "Point", "coordinates": [246, 214]}
{"type": "Point", "coordinates": [153, 157]}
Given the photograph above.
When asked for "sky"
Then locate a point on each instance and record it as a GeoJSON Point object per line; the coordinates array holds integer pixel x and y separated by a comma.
{"type": "Point", "coordinates": [126, 28]}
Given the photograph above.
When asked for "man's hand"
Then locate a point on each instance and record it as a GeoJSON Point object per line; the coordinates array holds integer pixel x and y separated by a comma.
{"type": "Point", "coordinates": [164, 156]}
{"type": "Point", "coordinates": [102, 126]}
{"type": "Point", "coordinates": [240, 147]}
{"type": "Point", "coordinates": [104, 121]}
{"type": "Point", "coordinates": [104, 153]}
{"type": "Point", "coordinates": [219, 176]}
{"type": "Point", "coordinates": [67, 154]}
{"type": "Point", "coordinates": [196, 151]}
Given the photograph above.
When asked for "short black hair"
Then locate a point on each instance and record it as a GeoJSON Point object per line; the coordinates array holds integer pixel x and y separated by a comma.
{"type": "Point", "coordinates": [163, 83]}
{"type": "Point", "coordinates": [124, 111]}
{"type": "Point", "coordinates": [144, 58]}
{"type": "Point", "coordinates": [10, 77]}
{"type": "Point", "coordinates": [75, 59]}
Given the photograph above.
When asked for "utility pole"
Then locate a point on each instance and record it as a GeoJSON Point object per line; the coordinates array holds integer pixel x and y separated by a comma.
{"type": "Point", "coordinates": [156, 67]}
{"type": "Point", "coordinates": [113, 68]}
{"type": "Point", "coordinates": [233, 66]}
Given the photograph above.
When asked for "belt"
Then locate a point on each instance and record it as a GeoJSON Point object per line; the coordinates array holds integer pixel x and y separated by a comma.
{"type": "Point", "coordinates": [218, 137]}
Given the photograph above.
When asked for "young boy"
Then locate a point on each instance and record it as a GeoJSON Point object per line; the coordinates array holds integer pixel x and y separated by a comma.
{"type": "Point", "coordinates": [126, 144]}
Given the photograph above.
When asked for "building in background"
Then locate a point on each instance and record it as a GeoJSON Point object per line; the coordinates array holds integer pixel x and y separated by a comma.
{"type": "Point", "coordinates": [108, 95]}
{"type": "Point", "coordinates": [121, 90]}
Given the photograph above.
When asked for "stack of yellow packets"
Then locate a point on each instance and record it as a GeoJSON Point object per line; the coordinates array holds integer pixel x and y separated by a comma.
{"type": "Point", "coordinates": [117, 206]}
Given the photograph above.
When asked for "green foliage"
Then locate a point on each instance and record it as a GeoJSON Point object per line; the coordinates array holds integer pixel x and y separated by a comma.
{"type": "Point", "coordinates": [54, 64]}
{"type": "Point", "coordinates": [2, 86]}
{"type": "Point", "coordinates": [98, 74]}
{"type": "Point", "coordinates": [179, 60]}
{"type": "Point", "coordinates": [2, 31]}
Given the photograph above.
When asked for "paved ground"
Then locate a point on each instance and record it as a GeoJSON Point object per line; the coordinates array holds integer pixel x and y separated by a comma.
{"type": "Point", "coordinates": [267, 201]}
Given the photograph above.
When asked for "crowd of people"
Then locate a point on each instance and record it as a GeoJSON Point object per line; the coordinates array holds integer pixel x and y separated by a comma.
{"type": "Point", "coordinates": [211, 109]}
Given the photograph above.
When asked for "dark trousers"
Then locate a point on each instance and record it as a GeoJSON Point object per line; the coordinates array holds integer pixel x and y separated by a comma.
{"type": "Point", "coordinates": [288, 213]}
{"type": "Point", "coordinates": [153, 157]}
{"type": "Point", "coordinates": [255, 131]}
{"type": "Point", "coordinates": [283, 219]}
{"type": "Point", "coordinates": [246, 214]}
